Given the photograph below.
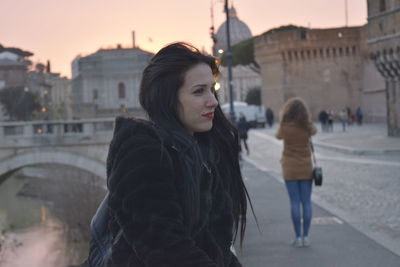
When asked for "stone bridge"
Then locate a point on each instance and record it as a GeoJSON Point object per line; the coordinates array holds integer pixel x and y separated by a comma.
{"type": "Point", "coordinates": [81, 144]}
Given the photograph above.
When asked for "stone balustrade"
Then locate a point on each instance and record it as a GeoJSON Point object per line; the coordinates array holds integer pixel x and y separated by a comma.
{"type": "Point", "coordinates": [58, 132]}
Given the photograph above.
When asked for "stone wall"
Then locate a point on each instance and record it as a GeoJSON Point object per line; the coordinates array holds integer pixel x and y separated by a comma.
{"type": "Point", "coordinates": [323, 66]}
{"type": "Point", "coordinates": [384, 50]}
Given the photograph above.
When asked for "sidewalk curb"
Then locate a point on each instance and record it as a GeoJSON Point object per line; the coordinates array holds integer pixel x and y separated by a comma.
{"type": "Point", "coordinates": [353, 151]}
{"type": "Point", "coordinates": [339, 148]}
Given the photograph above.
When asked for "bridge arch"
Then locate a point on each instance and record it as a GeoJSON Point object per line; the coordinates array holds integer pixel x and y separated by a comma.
{"type": "Point", "coordinates": [18, 161]}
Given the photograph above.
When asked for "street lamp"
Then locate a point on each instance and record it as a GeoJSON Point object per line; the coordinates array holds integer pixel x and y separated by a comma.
{"type": "Point", "coordinates": [229, 63]}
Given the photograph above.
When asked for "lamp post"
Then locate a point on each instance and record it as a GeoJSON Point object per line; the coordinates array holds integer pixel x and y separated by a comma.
{"type": "Point", "coordinates": [229, 63]}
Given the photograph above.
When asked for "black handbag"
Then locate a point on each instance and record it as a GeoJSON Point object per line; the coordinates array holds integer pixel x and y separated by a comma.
{"type": "Point", "coordinates": [317, 171]}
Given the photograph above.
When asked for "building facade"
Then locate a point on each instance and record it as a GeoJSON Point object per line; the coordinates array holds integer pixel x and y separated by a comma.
{"type": "Point", "coordinates": [327, 67]}
{"type": "Point", "coordinates": [244, 79]}
{"type": "Point", "coordinates": [13, 73]}
{"type": "Point", "coordinates": [13, 69]}
{"type": "Point", "coordinates": [107, 82]}
{"type": "Point", "coordinates": [61, 92]}
{"type": "Point", "coordinates": [384, 50]}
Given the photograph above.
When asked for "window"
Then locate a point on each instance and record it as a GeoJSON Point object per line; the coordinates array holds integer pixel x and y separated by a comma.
{"type": "Point", "coordinates": [382, 5]}
{"type": "Point", "coordinates": [95, 94]}
{"type": "Point", "coordinates": [315, 53]}
{"type": "Point", "coordinates": [354, 50]}
{"type": "Point", "coordinates": [334, 52]}
{"type": "Point", "coordinates": [340, 51]}
{"type": "Point", "coordinates": [321, 53]}
{"type": "Point", "coordinates": [347, 51]}
{"type": "Point", "coordinates": [328, 52]}
{"type": "Point", "coordinates": [121, 90]}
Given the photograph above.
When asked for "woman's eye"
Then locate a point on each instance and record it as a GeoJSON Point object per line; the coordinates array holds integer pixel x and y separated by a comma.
{"type": "Point", "coordinates": [198, 91]}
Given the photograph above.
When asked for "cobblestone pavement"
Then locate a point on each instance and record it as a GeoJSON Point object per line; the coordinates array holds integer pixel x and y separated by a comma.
{"type": "Point", "coordinates": [362, 190]}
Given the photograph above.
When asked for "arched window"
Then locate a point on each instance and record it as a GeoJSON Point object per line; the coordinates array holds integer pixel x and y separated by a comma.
{"type": "Point", "coordinates": [382, 5]}
{"type": "Point", "coordinates": [121, 90]}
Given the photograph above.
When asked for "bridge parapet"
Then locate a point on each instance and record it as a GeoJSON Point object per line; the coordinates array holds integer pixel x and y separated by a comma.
{"type": "Point", "coordinates": [58, 132]}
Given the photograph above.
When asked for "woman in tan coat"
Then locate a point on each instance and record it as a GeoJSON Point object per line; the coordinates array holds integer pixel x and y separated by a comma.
{"type": "Point", "coordinates": [295, 129]}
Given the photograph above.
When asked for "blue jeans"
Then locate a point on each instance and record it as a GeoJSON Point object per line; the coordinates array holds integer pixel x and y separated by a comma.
{"type": "Point", "coordinates": [300, 193]}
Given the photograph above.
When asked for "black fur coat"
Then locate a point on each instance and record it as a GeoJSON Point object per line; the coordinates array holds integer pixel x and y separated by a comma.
{"type": "Point", "coordinates": [145, 181]}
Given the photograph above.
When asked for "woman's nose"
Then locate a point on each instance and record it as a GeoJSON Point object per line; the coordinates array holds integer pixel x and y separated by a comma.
{"type": "Point", "coordinates": [212, 101]}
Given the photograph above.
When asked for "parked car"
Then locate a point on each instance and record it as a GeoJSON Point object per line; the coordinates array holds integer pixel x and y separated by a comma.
{"type": "Point", "coordinates": [255, 115]}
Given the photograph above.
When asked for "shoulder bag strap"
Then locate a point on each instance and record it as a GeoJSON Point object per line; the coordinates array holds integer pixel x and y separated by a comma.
{"type": "Point", "coordinates": [312, 151]}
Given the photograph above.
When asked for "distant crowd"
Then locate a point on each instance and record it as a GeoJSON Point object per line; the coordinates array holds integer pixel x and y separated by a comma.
{"type": "Point", "coordinates": [345, 116]}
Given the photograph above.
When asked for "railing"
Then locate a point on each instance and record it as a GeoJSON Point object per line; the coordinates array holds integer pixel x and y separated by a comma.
{"type": "Point", "coordinates": [33, 133]}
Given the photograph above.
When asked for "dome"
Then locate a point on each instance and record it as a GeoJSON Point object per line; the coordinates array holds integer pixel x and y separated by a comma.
{"type": "Point", "coordinates": [238, 29]}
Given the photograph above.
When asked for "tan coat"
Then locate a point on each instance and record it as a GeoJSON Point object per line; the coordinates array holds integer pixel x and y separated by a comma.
{"type": "Point", "coordinates": [296, 157]}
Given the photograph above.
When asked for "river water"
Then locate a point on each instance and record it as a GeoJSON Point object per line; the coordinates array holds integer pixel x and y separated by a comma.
{"type": "Point", "coordinates": [17, 212]}
{"type": "Point", "coordinates": [40, 221]}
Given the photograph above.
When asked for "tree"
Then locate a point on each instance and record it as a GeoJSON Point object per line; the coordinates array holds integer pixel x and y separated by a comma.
{"type": "Point", "coordinates": [253, 96]}
{"type": "Point", "coordinates": [19, 103]}
{"type": "Point", "coordinates": [243, 54]}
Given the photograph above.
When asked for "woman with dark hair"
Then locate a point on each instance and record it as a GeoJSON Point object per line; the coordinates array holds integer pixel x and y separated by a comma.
{"type": "Point", "coordinates": [175, 186]}
{"type": "Point", "coordinates": [295, 129]}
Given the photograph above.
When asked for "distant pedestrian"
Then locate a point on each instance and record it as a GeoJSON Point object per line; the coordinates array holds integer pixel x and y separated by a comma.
{"type": "Point", "coordinates": [295, 129]}
{"type": "Point", "coordinates": [269, 114]}
{"type": "Point", "coordinates": [243, 128]}
{"type": "Point", "coordinates": [349, 121]}
{"type": "Point", "coordinates": [331, 116]}
{"type": "Point", "coordinates": [359, 116]}
{"type": "Point", "coordinates": [343, 119]}
{"type": "Point", "coordinates": [323, 119]}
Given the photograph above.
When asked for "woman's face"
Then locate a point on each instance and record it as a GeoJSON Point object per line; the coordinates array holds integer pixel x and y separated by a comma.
{"type": "Point", "coordinates": [196, 99]}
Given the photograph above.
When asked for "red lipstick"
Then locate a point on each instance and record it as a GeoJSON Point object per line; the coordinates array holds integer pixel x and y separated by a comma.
{"type": "Point", "coordinates": [209, 115]}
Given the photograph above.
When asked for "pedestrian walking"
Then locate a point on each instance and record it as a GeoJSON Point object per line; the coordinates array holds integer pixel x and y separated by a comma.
{"type": "Point", "coordinates": [243, 128]}
{"type": "Point", "coordinates": [295, 129]}
{"type": "Point", "coordinates": [269, 114]}
{"type": "Point", "coordinates": [331, 116]}
{"type": "Point", "coordinates": [323, 119]}
{"type": "Point", "coordinates": [343, 118]}
{"type": "Point", "coordinates": [176, 193]}
{"type": "Point", "coordinates": [359, 116]}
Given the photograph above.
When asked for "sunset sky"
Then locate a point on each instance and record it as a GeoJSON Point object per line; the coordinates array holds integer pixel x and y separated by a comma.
{"type": "Point", "coordinates": [59, 30]}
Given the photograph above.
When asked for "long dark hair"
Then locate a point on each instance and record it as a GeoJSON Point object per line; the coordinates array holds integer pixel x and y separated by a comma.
{"type": "Point", "coordinates": [296, 111]}
{"type": "Point", "coordinates": [159, 97]}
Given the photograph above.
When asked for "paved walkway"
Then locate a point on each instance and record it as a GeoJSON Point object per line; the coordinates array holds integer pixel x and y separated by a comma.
{"type": "Point", "coordinates": [335, 241]}
{"type": "Point", "coordinates": [368, 139]}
